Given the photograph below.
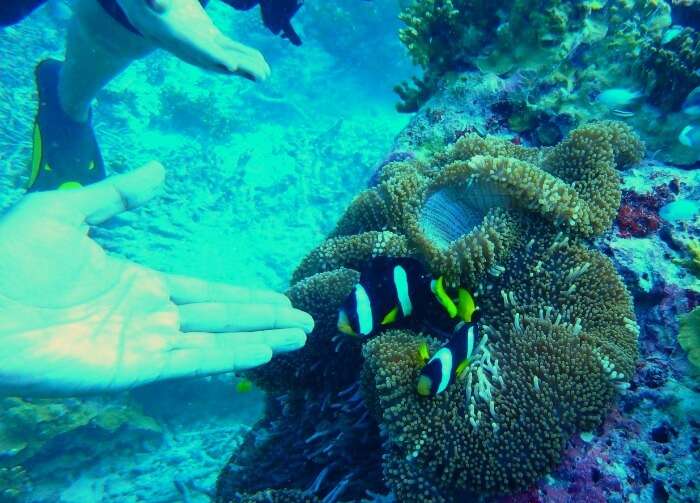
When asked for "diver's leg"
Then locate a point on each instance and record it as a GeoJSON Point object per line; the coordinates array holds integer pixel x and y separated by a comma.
{"type": "Point", "coordinates": [98, 48]}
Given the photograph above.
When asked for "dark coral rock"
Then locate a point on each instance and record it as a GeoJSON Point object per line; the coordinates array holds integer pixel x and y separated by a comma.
{"type": "Point", "coordinates": [663, 433]}
{"type": "Point", "coordinates": [652, 376]}
{"type": "Point", "coordinates": [325, 445]}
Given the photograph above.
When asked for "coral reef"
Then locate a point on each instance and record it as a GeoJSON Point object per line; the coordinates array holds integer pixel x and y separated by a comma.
{"type": "Point", "coordinates": [551, 40]}
{"type": "Point", "coordinates": [308, 369]}
{"type": "Point", "coordinates": [551, 362]}
{"type": "Point", "coordinates": [28, 427]}
{"type": "Point", "coordinates": [638, 215]}
{"type": "Point", "coordinates": [668, 68]}
{"type": "Point", "coordinates": [452, 208]}
{"type": "Point", "coordinates": [552, 66]}
{"type": "Point", "coordinates": [35, 433]}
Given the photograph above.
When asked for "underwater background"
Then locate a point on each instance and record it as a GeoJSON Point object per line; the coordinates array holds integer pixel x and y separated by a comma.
{"type": "Point", "coordinates": [581, 241]}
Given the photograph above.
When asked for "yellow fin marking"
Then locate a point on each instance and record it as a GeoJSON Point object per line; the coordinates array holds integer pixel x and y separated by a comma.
{"type": "Point", "coordinates": [423, 352]}
{"type": "Point", "coordinates": [36, 155]}
{"type": "Point", "coordinates": [69, 186]}
{"type": "Point", "coordinates": [465, 305]}
{"type": "Point", "coordinates": [391, 316]}
{"type": "Point", "coordinates": [91, 166]}
{"type": "Point", "coordinates": [443, 298]}
{"type": "Point", "coordinates": [462, 368]}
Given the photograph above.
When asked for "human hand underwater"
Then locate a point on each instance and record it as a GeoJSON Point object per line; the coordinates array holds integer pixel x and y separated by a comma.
{"type": "Point", "coordinates": [183, 28]}
{"type": "Point", "coordinates": [75, 320]}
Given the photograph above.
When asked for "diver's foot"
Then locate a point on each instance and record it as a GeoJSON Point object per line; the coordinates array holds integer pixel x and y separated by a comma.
{"type": "Point", "coordinates": [65, 153]}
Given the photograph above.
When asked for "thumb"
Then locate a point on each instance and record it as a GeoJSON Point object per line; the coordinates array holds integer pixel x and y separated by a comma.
{"type": "Point", "coordinates": [103, 200]}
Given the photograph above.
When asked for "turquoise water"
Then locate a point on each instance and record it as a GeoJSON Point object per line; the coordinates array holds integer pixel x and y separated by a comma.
{"type": "Point", "coordinates": [543, 162]}
{"type": "Point", "coordinates": [256, 176]}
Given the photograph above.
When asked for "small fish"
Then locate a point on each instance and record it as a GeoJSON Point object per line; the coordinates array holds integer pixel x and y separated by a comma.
{"type": "Point", "coordinates": [690, 137]}
{"type": "Point", "coordinates": [622, 113]}
{"type": "Point", "coordinates": [617, 97]}
{"type": "Point", "coordinates": [691, 105]}
{"type": "Point", "coordinates": [391, 289]}
{"type": "Point", "coordinates": [671, 34]}
{"type": "Point", "coordinates": [450, 362]}
{"type": "Point", "coordinates": [244, 385]}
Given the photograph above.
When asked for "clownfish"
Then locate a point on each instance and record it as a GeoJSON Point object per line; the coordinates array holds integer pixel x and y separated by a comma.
{"type": "Point", "coordinates": [391, 289]}
{"type": "Point", "coordinates": [451, 361]}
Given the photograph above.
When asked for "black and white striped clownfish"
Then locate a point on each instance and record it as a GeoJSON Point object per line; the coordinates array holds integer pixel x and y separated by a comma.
{"type": "Point", "coordinates": [391, 289]}
{"type": "Point", "coordinates": [451, 361]}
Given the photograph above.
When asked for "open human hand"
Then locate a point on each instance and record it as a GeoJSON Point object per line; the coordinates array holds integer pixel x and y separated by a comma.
{"type": "Point", "coordinates": [183, 28]}
{"type": "Point", "coordinates": [74, 319]}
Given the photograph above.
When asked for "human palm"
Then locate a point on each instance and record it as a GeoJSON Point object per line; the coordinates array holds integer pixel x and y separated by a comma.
{"type": "Point", "coordinates": [74, 319]}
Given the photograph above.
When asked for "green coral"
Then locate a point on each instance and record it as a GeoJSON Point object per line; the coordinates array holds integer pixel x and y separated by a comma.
{"type": "Point", "coordinates": [692, 263]}
{"type": "Point", "coordinates": [27, 426]}
{"type": "Point", "coordinates": [689, 336]}
{"type": "Point", "coordinates": [669, 70]}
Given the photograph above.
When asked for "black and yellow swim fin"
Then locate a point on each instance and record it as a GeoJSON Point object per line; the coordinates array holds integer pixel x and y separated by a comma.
{"type": "Point", "coordinates": [65, 153]}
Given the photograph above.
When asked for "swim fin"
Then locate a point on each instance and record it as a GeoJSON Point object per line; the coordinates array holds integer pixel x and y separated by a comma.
{"type": "Point", "coordinates": [65, 153]}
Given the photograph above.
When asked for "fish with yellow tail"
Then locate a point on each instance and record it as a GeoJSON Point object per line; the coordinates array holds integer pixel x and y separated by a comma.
{"type": "Point", "coordinates": [451, 361]}
{"type": "Point", "coordinates": [391, 289]}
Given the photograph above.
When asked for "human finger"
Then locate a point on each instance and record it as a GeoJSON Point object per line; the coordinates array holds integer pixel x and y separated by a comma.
{"type": "Point", "coordinates": [209, 360]}
{"type": "Point", "coordinates": [116, 194]}
{"type": "Point", "coordinates": [279, 341]}
{"type": "Point", "coordinates": [253, 66]}
{"type": "Point", "coordinates": [158, 6]}
{"type": "Point", "coordinates": [227, 317]}
{"type": "Point", "coordinates": [186, 290]}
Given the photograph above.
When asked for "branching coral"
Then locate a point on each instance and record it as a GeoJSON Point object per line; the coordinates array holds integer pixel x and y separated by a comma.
{"type": "Point", "coordinates": [669, 68]}
{"type": "Point", "coordinates": [441, 36]}
{"type": "Point", "coordinates": [560, 336]}
{"type": "Point", "coordinates": [445, 36]}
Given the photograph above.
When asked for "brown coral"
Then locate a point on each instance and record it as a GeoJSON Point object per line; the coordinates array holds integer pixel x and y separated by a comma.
{"type": "Point", "coordinates": [550, 367]}
{"type": "Point", "coordinates": [311, 367]}
{"type": "Point", "coordinates": [350, 251]}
